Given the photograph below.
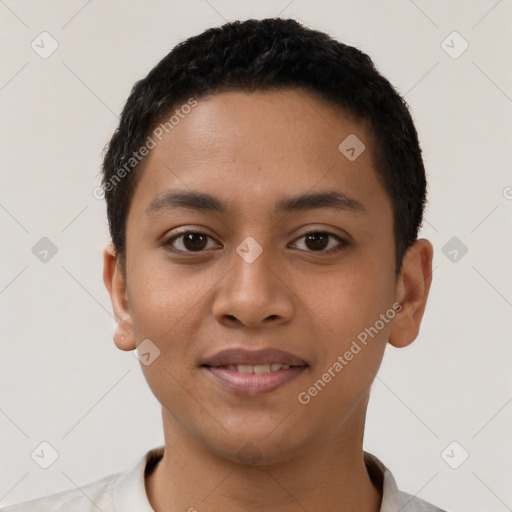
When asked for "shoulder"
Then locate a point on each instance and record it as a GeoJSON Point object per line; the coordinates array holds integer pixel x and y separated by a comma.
{"type": "Point", "coordinates": [393, 498]}
{"type": "Point", "coordinates": [88, 498]}
{"type": "Point", "coordinates": [120, 492]}
{"type": "Point", "coordinates": [410, 503]}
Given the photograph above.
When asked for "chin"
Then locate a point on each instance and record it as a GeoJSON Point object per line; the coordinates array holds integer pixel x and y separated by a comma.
{"type": "Point", "coordinates": [263, 446]}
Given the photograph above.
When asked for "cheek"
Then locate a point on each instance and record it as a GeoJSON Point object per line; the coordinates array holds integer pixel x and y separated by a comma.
{"type": "Point", "coordinates": [357, 333]}
{"type": "Point", "coordinates": [163, 306]}
{"type": "Point", "coordinates": [161, 298]}
{"type": "Point", "coordinates": [351, 299]}
{"type": "Point", "coordinates": [351, 347]}
{"type": "Point", "coordinates": [170, 306]}
{"type": "Point", "coordinates": [353, 308]}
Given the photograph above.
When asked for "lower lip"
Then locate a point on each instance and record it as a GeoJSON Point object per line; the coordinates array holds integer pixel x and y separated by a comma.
{"type": "Point", "coordinates": [254, 384]}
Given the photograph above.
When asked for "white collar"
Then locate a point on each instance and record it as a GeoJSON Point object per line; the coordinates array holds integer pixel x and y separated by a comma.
{"type": "Point", "coordinates": [130, 490]}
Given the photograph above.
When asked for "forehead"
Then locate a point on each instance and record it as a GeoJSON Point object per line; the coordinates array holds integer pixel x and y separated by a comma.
{"type": "Point", "coordinates": [283, 124]}
{"type": "Point", "coordinates": [256, 147]}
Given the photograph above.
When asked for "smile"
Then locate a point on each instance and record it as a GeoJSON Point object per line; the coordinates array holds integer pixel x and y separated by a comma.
{"type": "Point", "coordinates": [253, 372]}
{"type": "Point", "coordinates": [257, 368]}
{"type": "Point", "coordinates": [253, 380]}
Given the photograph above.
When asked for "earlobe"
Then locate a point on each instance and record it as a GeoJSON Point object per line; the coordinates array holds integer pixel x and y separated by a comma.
{"type": "Point", "coordinates": [412, 291]}
{"type": "Point", "coordinates": [116, 286]}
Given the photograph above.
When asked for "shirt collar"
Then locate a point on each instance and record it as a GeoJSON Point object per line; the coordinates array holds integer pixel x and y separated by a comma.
{"type": "Point", "coordinates": [130, 490]}
{"type": "Point", "coordinates": [385, 481]}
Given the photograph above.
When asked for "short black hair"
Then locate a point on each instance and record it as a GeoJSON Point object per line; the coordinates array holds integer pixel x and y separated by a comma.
{"type": "Point", "coordinates": [260, 55]}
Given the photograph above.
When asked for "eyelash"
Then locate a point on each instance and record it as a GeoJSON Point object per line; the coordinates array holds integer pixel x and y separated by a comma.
{"type": "Point", "coordinates": [343, 243]}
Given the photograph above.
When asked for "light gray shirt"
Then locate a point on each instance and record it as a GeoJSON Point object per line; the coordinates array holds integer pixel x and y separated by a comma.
{"type": "Point", "coordinates": [126, 492]}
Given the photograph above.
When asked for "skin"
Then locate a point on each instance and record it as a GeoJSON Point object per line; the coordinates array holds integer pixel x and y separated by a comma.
{"type": "Point", "coordinates": [250, 150]}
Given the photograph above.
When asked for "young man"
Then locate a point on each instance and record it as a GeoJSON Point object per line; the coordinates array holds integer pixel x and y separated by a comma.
{"type": "Point", "coordinates": [264, 191]}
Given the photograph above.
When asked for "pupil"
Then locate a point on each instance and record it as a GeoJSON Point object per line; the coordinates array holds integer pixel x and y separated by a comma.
{"type": "Point", "coordinates": [194, 238]}
{"type": "Point", "coordinates": [314, 238]}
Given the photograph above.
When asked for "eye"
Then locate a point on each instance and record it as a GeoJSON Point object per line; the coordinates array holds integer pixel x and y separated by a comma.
{"type": "Point", "coordinates": [192, 241]}
{"type": "Point", "coordinates": [317, 241]}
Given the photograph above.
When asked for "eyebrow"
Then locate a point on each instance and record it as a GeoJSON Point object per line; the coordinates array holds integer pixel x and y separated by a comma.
{"type": "Point", "coordinates": [200, 201]}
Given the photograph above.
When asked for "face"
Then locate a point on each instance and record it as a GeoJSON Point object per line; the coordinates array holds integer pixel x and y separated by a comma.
{"type": "Point", "coordinates": [252, 281]}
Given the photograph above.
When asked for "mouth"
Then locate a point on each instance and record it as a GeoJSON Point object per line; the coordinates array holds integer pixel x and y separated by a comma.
{"type": "Point", "coordinates": [253, 373]}
{"type": "Point", "coordinates": [254, 368]}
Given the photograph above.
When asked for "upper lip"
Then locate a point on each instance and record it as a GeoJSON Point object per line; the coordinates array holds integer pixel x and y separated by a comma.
{"type": "Point", "coordinates": [253, 357]}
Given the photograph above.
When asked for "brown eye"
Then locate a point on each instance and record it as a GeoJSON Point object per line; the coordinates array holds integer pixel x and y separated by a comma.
{"type": "Point", "coordinates": [189, 241]}
{"type": "Point", "coordinates": [318, 241]}
{"type": "Point", "coordinates": [194, 241]}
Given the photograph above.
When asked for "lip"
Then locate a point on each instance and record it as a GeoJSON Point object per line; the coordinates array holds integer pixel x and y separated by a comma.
{"type": "Point", "coordinates": [253, 357]}
{"type": "Point", "coordinates": [253, 384]}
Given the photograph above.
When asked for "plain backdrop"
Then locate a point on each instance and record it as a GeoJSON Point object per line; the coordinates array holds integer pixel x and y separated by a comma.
{"type": "Point", "coordinates": [62, 379]}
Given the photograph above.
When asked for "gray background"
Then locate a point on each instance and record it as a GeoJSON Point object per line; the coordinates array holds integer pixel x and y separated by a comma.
{"type": "Point", "coordinates": [62, 379]}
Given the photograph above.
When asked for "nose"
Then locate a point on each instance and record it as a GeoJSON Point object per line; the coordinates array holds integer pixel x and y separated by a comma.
{"type": "Point", "coordinates": [254, 293]}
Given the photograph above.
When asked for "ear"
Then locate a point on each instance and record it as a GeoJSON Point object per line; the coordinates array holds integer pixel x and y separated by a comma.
{"type": "Point", "coordinates": [412, 290]}
{"type": "Point", "coordinates": [116, 286]}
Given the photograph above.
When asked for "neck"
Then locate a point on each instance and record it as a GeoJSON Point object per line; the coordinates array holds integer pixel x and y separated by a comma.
{"type": "Point", "coordinates": [329, 475]}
